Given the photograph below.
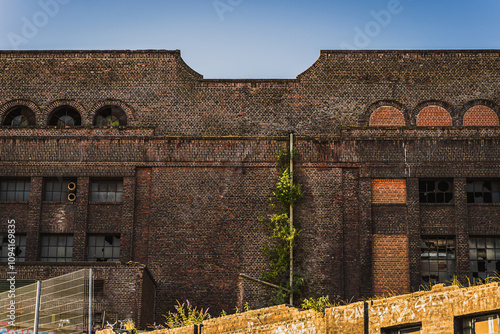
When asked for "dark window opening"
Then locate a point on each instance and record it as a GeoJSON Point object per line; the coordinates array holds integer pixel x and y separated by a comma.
{"type": "Point", "coordinates": [437, 257]}
{"type": "Point", "coordinates": [16, 243]}
{"type": "Point", "coordinates": [20, 117]}
{"type": "Point", "coordinates": [14, 190]}
{"type": "Point", "coordinates": [110, 116]}
{"type": "Point", "coordinates": [56, 248]}
{"type": "Point", "coordinates": [65, 116]}
{"type": "Point", "coordinates": [436, 191]}
{"type": "Point", "coordinates": [412, 329]}
{"type": "Point", "coordinates": [98, 288]}
{"type": "Point", "coordinates": [483, 191]}
{"type": "Point", "coordinates": [105, 248]}
{"type": "Point", "coordinates": [484, 257]}
{"type": "Point", "coordinates": [106, 191]}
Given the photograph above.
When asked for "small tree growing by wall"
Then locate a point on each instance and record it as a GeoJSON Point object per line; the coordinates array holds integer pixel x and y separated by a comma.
{"type": "Point", "coordinates": [283, 231]}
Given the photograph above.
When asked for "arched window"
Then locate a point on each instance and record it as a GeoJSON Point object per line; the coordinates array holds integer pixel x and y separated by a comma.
{"type": "Point", "coordinates": [110, 116]}
{"type": "Point", "coordinates": [19, 116]}
{"type": "Point", "coordinates": [65, 116]}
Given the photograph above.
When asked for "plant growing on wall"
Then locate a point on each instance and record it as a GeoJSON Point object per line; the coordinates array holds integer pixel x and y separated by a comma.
{"type": "Point", "coordinates": [185, 314]}
{"type": "Point", "coordinates": [283, 233]}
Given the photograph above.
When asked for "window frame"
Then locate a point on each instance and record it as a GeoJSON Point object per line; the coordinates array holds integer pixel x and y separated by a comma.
{"type": "Point", "coordinates": [428, 263]}
{"type": "Point", "coordinates": [490, 252]}
{"type": "Point", "coordinates": [402, 329]}
{"type": "Point", "coordinates": [433, 192]}
{"type": "Point", "coordinates": [101, 196]}
{"type": "Point", "coordinates": [92, 244]}
{"type": "Point", "coordinates": [489, 196]}
{"type": "Point", "coordinates": [26, 190]}
{"type": "Point", "coordinates": [17, 111]}
{"type": "Point", "coordinates": [102, 115]}
{"type": "Point", "coordinates": [68, 247]}
{"type": "Point", "coordinates": [20, 243]}
{"type": "Point", "coordinates": [64, 111]}
{"type": "Point", "coordinates": [467, 324]}
{"type": "Point", "coordinates": [64, 183]}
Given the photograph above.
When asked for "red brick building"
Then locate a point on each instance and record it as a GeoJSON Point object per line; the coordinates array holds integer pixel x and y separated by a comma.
{"type": "Point", "coordinates": [119, 156]}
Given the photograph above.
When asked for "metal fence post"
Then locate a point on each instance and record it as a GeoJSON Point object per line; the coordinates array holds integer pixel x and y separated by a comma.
{"type": "Point", "coordinates": [91, 286]}
{"type": "Point", "coordinates": [37, 306]}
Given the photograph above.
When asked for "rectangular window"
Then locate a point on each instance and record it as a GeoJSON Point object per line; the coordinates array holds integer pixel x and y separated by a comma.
{"type": "Point", "coordinates": [484, 256]}
{"type": "Point", "coordinates": [483, 191]}
{"type": "Point", "coordinates": [56, 248]}
{"type": "Point", "coordinates": [437, 260]}
{"type": "Point", "coordinates": [484, 324]}
{"type": "Point", "coordinates": [15, 190]}
{"type": "Point", "coordinates": [103, 248]}
{"type": "Point", "coordinates": [59, 190]}
{"type": "Point", "coordinates": [436, 191]}
{"type": "Point", "coordinates": [106, 191]}
{"type": "Point", "coordinates": [413, 329]}
{"type": "Point", "coordinates": [20, 247]}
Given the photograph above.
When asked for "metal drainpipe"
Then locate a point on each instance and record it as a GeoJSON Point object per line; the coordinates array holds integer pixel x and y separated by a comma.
{"type": "Point", "coordinates": [291, 220]}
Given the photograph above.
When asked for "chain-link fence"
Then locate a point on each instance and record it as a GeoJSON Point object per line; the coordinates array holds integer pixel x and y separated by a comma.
{"type": "Point", "coordinates": [63, 305]}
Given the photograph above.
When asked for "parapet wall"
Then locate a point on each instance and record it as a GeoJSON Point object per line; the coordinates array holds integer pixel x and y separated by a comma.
{"type": "Point", "coordinates": [437, 311]}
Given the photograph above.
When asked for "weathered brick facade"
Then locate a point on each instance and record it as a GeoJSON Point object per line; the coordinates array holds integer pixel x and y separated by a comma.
{"type": "Point", "coordinates": [196, 158]}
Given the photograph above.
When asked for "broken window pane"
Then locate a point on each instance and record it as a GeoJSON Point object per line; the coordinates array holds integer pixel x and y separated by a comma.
{"type": "Point", "coordinates": [436, 191]}
{"type": "Point", "coordinates": [437, 260]}
{"type": "Point", "coordinates": [483, 191]}
{"type": "Point", "coordinates": [484, 256]}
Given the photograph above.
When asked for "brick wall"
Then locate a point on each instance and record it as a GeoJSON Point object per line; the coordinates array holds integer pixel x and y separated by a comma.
{"type": "Point", "coordinates": [391, 272]}
{"type": "Point", "coordinates": [434, 116]}
{"type": "Point", "coordinates": [480, 116]}
{"type": "Point", "coordinates": [197, 161]}
{"type": "Point", "coordinates": [387, 116]}
{"type": "Point", "coordinates": [388, 191]}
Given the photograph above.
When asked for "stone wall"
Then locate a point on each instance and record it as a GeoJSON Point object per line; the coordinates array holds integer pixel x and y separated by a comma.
{"type": "Point", "coordinates": [439, 311]}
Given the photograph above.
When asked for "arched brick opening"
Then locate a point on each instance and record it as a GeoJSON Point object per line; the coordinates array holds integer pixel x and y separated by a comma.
{"type": "Point", "coordinates": [480, 116]}
{"type": "Point", "coordinates": [387, 116]}
{"type": "Point", "coordinates": [434, 116]}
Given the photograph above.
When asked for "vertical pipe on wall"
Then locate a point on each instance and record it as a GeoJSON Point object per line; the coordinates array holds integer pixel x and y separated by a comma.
{"type": "Point", "coordinates": [291, 220]}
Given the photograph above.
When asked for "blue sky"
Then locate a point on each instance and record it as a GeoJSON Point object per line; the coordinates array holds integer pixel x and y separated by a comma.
{"type": "Point", "coordinates": [249, 38]}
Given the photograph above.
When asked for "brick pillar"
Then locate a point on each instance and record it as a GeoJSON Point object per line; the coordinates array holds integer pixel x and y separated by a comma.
{"type": "Point", "coordinates": [80, 223]}
{"type": "Point", "coordinates": [365, 236]}
{"type": "Point", "coordinates": [35, 210]}
{"type": "Point", "coordinates": [414, 237]}
{"type": "Point", "coordinates": [142, 214]}
{"type": "Point", "coordinates": [127, 228]}
{"type": "Point", "coordinates": [351, 229]}
{"type": "Point", "coordinates": [461, 228]}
